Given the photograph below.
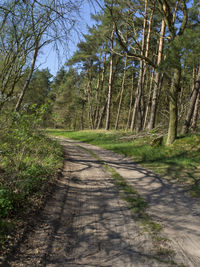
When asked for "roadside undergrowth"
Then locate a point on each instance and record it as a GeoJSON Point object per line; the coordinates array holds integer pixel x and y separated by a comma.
{"type": "Point", "coordinates": [29, 164]}
{"type": "Point", "coordinates": [139, 207]}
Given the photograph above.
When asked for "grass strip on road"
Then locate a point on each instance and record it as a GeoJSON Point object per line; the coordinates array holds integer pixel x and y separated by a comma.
{"type": "Point", "coordinates": [138, 207]}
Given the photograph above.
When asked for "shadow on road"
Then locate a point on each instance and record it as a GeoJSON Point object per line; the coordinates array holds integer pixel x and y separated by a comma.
{"type": "Point", "coordinates": [85, 223]}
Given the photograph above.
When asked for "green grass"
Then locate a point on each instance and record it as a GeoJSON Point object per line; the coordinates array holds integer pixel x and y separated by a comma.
{"type": "Point", "coordinates": [135, 202]}
{"type": "Point", "coordinates": [179, 162]}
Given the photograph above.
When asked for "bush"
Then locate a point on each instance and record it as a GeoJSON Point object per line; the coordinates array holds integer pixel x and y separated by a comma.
{"type": "Point", "coordinates": [6, 203]}
{"type": "Point", "coordinates": [28, 162]}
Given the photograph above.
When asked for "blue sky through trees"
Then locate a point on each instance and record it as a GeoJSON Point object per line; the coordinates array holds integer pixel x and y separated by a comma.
{"type": "Point", "coordinates": [52, 58]}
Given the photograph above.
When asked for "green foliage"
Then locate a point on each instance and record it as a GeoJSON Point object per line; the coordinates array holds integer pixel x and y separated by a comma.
{"type": "Point", "coordinates": [6, 203]}
{"type": "Point", "coordinates": [66, 99]}
{"type": "Point", "coordinates": [28, 162]}
{"type": "Point", "coordinates": [83, 105]}
{"type": "Point", "coordinates": [38, 89]}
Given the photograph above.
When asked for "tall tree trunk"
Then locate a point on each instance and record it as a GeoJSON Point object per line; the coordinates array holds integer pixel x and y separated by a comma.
{"type": "Point", "coordinates": [89, 91]}
{"type": "Point", "coordinates": [21, 96]}
{"type": "Point", "coordinates": [100, 91]}
{"type": "Point", "coordinates": [139, 108]}
{"type": "Point", "coordinates": [110, 82]}
{"type": "Point", "coordinates": [145, 113]}
{"type": "Point", "coordinates": [195, 114]}
{"type": "Point", "coordinates": [149, 99]}
{"type": "Point", "coordinates": [173, 107]}
{"type": "Point", "coordinates": [137, 97]}
{"type": "Point", "coordinates": [97, 97]}
{"type": "Point", "coordinates": [101, 117]}
{"type": "Point", "coordinates": [82, 115]}
{"type": "Point", "coordinates": [154, 104]}
{"type": "Point", "coordinates": [193, 100]}
{"type": "Point", "coordinates": [137, 104]}
{"type": "Point", "coordinates": [121, 94]}
{"type": "Point", "coordinates": [130, 103]}
{"type": "Point", "coordinates": [170, 19]}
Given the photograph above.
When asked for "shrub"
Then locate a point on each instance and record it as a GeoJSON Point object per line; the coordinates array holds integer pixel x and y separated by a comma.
{"type": "Point", "coordinates": [6, 202]}
{"type": "Point", "coordinates": [28, 162]}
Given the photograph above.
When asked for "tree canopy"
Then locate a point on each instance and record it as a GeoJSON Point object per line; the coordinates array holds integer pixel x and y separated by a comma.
{"type": "Point", "coordinates": [137, 68]}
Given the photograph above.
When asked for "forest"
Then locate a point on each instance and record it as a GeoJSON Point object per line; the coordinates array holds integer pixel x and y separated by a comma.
{"type": "Point", "coordinates": [136, 69]}
{"type": "Point", "coordinates": [136, 72]}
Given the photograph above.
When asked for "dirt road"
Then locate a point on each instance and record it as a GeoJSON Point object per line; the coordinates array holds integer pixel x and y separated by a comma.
{"type": "Point", "coordinates": [85, 223]}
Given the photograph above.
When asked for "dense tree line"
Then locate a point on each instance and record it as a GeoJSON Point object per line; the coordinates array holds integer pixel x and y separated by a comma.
{"type": "Point", "coordinates": [136, 69]}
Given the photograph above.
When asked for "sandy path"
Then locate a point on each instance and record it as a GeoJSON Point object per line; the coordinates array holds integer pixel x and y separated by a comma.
{"type": "Point", "coordinates": [169, 204]}
{"type": "Point", "coordinates": [85, 223]}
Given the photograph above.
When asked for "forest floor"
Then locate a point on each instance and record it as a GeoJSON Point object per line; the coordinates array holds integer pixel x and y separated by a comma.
{"type": "Point", "coordinates": [87, 223]}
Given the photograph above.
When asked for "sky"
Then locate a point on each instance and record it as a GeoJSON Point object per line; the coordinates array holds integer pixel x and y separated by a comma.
{"type": "Point", "coordinates": [49, 58]}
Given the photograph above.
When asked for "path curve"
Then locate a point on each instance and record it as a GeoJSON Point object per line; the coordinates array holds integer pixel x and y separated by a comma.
{"type": "Point", "coordinates": [85, 223]}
